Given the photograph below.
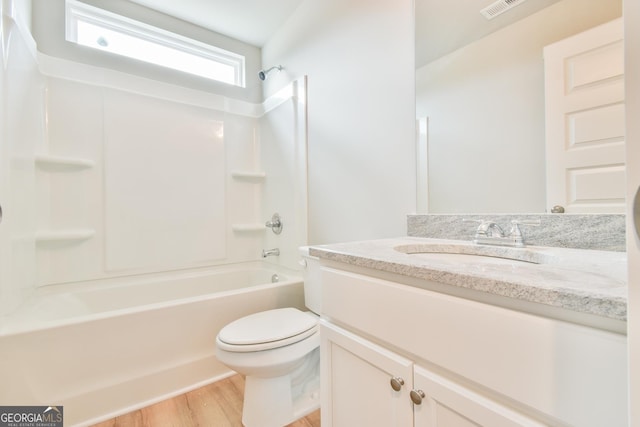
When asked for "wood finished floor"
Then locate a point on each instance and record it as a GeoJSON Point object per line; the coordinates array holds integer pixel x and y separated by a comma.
{"type": "Point", "coordinates": [216, 405]}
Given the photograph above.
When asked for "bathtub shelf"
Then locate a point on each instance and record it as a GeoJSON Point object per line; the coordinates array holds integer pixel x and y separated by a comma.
{"type": "Point", "coordinates": [69, 235]}
{"type": "Point", "coordinates": [244, 228]}
{"type": "Point", "coordinates": [248, 176]}
{"type": "Point", "coordinates": [49, 162]}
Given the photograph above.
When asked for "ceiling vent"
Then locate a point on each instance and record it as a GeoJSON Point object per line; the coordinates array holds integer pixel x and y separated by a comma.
{"type": "Point", "coordinates": [501, 6]}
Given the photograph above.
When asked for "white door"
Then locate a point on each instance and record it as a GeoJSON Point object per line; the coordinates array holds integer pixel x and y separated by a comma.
{"type": "Point", "coordinates": [443, 403]}
{"type": "Point", "coordinates": [357, 388]}
{"type": "Point", "coordinates": [584, 97]}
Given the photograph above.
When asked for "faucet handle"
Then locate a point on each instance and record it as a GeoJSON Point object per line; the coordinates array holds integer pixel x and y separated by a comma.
{"type": "Point", "coordinates": [516, 233]}
{"type": "Point", "coordinates": [483, 225]}
{"type": "Point", "coordinates": [275, 224]}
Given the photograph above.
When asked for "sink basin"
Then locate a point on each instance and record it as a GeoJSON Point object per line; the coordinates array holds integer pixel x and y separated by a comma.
{"type": "Point", "coordinates": [474, 253]}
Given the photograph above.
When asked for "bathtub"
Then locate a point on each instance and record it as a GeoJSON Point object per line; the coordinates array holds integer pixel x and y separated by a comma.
{"type": "Point", "coordinates": [105, 348]}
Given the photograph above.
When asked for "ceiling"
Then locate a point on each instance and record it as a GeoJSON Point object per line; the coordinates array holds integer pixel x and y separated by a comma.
{"type": "Point", "coordinates": [250, 21]}
{"type": "Point", "coordinates": [442, 26]}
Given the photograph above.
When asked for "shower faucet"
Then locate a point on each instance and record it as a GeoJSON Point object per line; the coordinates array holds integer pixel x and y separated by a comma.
{"type": "Point", "coordinates": [275, 224]}
{"type": "Point", "coordinates": [270, 252]}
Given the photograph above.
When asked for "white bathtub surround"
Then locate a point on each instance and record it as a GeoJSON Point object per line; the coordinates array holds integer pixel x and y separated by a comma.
{"type": "Point", "coordinates": [106, 348]}
{"type": "Point", "coordinates": [585, 286]}
{"type": "Point", "coordinates": [579, 231]}
{"type": "Point", "coordinates": [123, 198]}
{"type": "Point", "coordinates": [21, 134]}
{"type": "Point", "coordinates": [162, 167]}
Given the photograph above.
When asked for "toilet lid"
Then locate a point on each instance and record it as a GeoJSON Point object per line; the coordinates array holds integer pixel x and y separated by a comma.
{"type": "Point", "coordinates": [269, 327]}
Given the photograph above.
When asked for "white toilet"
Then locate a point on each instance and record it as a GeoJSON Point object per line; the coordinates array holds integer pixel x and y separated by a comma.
{"type": "Point", "coordinates": [278, 351]}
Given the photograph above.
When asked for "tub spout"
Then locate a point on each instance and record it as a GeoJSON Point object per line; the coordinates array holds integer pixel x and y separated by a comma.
{"type": "Point", "coordinates": [270, 252]}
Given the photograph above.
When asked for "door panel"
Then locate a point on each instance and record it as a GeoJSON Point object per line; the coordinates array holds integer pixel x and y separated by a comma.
{"type": "Point", "coordinates": [585, 121]}
{"type": "Point", "coordinates": [448, 404]}
{"type": "Point", "coordinates": [356, 386]}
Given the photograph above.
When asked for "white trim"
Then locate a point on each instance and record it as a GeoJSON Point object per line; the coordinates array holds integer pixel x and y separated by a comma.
{"type": "Point", "coordinates": [277, 99]}
{"type": "Point", "coordinates": [11, 17]}
{"type": "Point", "coordinates": [77, 12]}
{"type": "Point", "coordinates": [631, 19]}
{"type": "Point", "coordinates": [104, 77]}
{"type": "Point", "coordinates": [422, 165]}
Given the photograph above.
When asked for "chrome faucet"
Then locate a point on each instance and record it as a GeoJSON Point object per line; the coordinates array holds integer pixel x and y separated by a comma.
{"type": "Point", "coordinates": [270, 252]}
{"type": "Point", "coordinates": [275, 224]}
{"type": "Point", "coordinates": [493, 230]}
{"type": "Point", "coordinates": [490, 233]}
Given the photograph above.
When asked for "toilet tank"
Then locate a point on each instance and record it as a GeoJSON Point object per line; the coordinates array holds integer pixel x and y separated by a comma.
{"type": "Point", "coordinates": [312, 284]}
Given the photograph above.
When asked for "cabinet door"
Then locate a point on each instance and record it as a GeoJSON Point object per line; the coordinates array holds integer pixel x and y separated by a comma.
{"type": "Point", "coordinates": [356, 382]}
{"type": "Point", "coordinates": [448, 404]}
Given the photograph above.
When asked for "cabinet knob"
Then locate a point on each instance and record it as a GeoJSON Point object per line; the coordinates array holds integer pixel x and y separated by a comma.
{"type": "Point", "coordinates": [396, 383]}
{"type": "Point", "coordinates": [417, 396]}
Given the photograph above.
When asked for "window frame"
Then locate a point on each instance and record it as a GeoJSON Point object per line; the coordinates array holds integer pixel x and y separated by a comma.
{"type": "Point", "coordinates": [76, 12]}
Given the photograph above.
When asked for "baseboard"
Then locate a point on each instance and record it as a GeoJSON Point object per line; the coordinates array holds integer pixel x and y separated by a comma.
{"type": "Point", "coordinates": [109, 402]}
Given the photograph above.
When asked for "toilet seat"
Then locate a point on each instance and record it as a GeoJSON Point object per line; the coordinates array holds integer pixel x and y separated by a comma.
{"type": "Point", "coordinates": [267, 330]}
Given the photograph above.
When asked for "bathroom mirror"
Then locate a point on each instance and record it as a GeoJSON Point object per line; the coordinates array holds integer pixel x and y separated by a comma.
{"type": "Point", "coordinates": [480, 99]}
{"type": "Point", "coordinates": [479, 91]}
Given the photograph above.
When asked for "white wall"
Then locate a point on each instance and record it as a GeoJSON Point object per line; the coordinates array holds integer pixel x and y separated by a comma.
{"type": "Point", "coordinates": [485, 104]}
{"type": "Point", "coordinates": [49, 32]}
{"type": "Point", "coordinates": [358, 56]}
{"type": "Point", "coordinates": [632, 82]}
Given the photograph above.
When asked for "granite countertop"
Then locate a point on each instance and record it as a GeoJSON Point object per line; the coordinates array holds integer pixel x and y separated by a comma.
{"type": "Point", "coordinates": [585, 281]}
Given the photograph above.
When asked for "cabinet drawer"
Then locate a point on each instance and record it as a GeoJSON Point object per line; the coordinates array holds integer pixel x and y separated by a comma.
{"type": "Point", "coordinates": [555, 367]}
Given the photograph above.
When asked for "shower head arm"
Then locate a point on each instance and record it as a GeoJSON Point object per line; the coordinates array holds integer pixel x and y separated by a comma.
{"type": "Point", "coordinates": [263, 74]}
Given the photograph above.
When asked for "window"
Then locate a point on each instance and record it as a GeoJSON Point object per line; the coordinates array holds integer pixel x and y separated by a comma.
{"type": "Point", "coordinates": [106, 31]}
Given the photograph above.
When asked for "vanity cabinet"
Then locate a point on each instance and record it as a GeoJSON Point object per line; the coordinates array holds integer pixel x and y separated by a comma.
{"type": "Point", "coordinates": [356, 383]}
{"type": "Point", "coordinates": [448, 404]}
{"type": "Point", "coordinates": [476, 364]}
{"type": "Point", "coordinates": [368, 385]}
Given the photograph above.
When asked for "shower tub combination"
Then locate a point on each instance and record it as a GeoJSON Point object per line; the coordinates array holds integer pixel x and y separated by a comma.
{"type": "Point", "coordinates": [105, 348]}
